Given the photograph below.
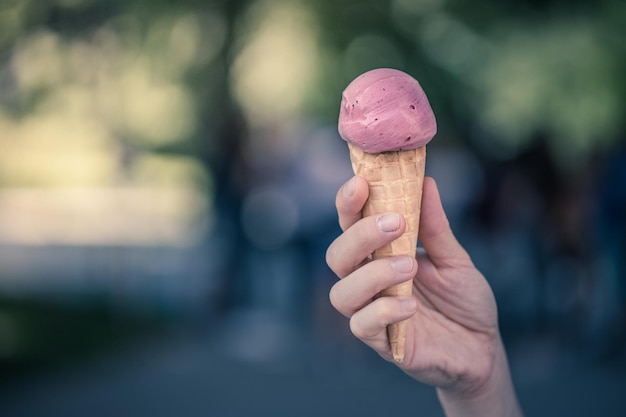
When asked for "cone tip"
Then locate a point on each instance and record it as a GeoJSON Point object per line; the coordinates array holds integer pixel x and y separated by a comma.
{"type": "Point", "coordinates": [398, 352]}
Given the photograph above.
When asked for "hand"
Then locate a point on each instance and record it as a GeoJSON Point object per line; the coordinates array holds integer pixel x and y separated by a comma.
{"type": "Point", "coordinates": [453, 341]}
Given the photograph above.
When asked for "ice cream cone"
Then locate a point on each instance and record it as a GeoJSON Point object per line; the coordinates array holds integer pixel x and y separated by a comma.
{"type": "Point", "coordinates": [395, 185]}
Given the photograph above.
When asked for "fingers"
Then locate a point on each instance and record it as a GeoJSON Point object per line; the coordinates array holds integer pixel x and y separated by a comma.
{"type": "Point", "coordinates": [370, 323]}
{"type": "Point", "coordinates": [435, 234]}
{"type": "Point", "coordinates": [359, 288]}
{"type": "Point", "coordinates": [352, 248]}
{"type": "Point", "coordinates": [350, 200]}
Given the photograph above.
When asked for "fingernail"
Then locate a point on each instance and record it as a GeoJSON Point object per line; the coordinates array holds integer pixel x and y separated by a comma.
{"type": "Point", "coordinates": [408, 304]}
{"type": "Point", "coordinates": [389, 222]}
{"type": "Point", "coordinates": [403, 264]}
{"type": "Point", "coordinates": [348, 189]}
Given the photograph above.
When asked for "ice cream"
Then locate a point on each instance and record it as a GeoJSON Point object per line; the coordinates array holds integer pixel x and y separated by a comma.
{"type": "Point", "coordinates": [387, 121]}
{"type": "Point", "coordinates": [386, 110]}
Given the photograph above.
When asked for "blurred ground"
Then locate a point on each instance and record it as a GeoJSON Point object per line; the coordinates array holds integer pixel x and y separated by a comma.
{"type": "Point", "coordinates": [204, 373]}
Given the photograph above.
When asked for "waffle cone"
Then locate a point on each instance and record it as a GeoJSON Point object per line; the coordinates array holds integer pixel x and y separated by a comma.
{"type": "Point", "coordinates": [395, 184]}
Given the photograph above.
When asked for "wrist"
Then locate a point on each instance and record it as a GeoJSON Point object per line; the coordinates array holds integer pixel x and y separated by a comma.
{"type": "Point", "coordinates": [489, 394]}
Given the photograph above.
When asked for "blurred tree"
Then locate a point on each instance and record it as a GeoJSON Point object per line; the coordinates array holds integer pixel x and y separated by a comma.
{"type": "Point", "coordinates": [506, 70]}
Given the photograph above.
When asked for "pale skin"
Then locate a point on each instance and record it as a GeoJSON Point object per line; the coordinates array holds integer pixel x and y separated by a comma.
{"type": "Point", "coordinates": [453, 341]}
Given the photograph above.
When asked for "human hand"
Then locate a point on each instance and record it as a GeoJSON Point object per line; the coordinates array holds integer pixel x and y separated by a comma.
{"type": "Point", "coordinates": [453, 342]}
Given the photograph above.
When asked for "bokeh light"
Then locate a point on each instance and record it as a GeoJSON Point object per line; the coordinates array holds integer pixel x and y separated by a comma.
{"type": "Point", "coordinates": [276, 67]}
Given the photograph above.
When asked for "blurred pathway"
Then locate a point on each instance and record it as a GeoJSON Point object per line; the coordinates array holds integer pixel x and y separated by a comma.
{"type": "Point", "coordinates": [190, 375]}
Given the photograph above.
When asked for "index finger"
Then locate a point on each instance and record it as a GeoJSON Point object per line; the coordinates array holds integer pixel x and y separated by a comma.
{"type": "Point", "coordinates": [350, 200]}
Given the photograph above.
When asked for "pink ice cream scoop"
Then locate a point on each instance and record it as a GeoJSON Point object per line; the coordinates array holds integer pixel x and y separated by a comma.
{"type": "Point", "coordinates": [386, 110]}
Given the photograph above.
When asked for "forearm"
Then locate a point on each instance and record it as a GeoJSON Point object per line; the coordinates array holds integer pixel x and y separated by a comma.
{"type": "Point", "coordinates": [496, 398]}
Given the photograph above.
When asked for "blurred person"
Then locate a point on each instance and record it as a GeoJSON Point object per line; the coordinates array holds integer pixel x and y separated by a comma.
{"type": "Point", "coordinates": [453, 340]}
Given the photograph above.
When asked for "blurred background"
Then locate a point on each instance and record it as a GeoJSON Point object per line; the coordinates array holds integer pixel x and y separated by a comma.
{"type": "Point", "coordinates": [167, 181]}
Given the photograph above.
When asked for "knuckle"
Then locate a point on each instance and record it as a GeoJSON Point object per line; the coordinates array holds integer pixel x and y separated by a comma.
{"type": "Point", "coordinates": [356, 327]}
{"type": "Point", "coordinates": [384, 310]}
{"type": "Point", "coordinates": [338, 197]}
{"type": "Point", "coordinates": [334, 297]}
{"type": "Point", "coordinates": [363, 236]}
{"type": "Point", "coordinates": [331, 256]}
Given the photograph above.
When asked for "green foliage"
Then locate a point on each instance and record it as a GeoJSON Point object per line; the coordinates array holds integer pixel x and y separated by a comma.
{"type": "Point", "coordinates": [512, 69]}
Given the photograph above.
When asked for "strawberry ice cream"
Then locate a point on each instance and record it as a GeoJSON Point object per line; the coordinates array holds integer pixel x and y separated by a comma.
{"type": "Point", "coordinates": [386, 110]}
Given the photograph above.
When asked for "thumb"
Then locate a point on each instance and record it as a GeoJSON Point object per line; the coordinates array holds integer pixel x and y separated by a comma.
{"type": "Point", "coordinates": [435, 234]}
